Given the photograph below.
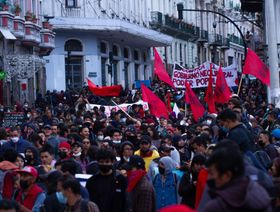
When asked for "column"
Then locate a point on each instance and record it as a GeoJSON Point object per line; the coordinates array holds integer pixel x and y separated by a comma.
{"type": "Point", "coordinates": [271, 34]}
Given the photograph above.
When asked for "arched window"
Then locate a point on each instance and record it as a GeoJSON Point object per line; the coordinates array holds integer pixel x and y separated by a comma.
{"type": "Point", "coordinates": [115, 50]}
{"type": "Point", "coordinates": [103, 47]}
{"type": "Point", "coordinates": [126, 52]}
{"type": "Point", "coordinates": [73, 45]}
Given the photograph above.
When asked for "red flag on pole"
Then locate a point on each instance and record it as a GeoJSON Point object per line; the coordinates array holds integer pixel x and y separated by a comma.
{"type": "Point", "coordinates": [113, 90]}
{"type": "Point", "coordinates": [156, 106]}
{"type": "Point", "coordinates": [196, 107]}
{"type": "Point", "coordinates": [160, 71]}
{"type": "Point", "coordinates": [222, 91]}
{"type": "Point", "coordinates": [209, 96]}
{"type": "Point", "coordinates": [254, 66]}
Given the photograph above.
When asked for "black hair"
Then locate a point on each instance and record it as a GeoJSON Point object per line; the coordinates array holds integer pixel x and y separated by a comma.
{"type": "Point", "coordinates": [47, 148]}
{"type": "Point", "coordinates": [227, 157]}
{"type": "Point", "coordinates": [70, 166]}
{"type": "Point", "coordinates": [104, 154]}
{"type": "Point", "coordinates": [200, 141]}
{"type": "Point", "coordinates": [227, 114]}
{"type": "Point", "coordinates": [198, 159]}
{"type": "Point", "coordinates": [10, 155]}
{"type": "Point", "coordinates": [267, 133]}
{"type": "Point", "coordinates": [6, 204]}
{"type": "Point", "coordinates": [238, 107]}
{"type": "Point", "coordinates": [92, 152]}
{"type": "Point", "coordinates": [3, 133]}
{"type": "Point", "coordinates": [73, 184]}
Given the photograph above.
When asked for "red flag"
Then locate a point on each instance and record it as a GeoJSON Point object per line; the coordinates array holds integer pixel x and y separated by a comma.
{"type": "Point", "coordinates": [209, 96]}
{"type": "Point", "coordinates": [160, 71]}
{"type": "Point", "coordinates": [113, 90]}
{"type": "Point", "coordinates": [168, 102]}
{"type": "Point", "coordinates": [196, 107]}
{"type": "Point", "coordinates": [254, 66]}
{"type": "Point", "coordinates": [156, 106]}
{"type": "Point", "coordinates": [222, 91]}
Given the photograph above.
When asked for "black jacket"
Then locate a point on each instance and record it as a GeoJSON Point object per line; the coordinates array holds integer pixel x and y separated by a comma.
{"type": "Point", "coordinates": [108, 192]}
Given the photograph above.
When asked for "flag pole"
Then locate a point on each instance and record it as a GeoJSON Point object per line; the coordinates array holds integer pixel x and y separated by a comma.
{"type": "Point", "coordinates": [240, 83]}
{"type": "Point", "coordinates": [121, 109]}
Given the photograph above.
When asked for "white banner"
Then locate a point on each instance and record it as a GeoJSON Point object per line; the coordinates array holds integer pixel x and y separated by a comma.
{"type": "Point", "coordinates": [198, 77]}
{"type": "Point", "coordinates": [125, 107]}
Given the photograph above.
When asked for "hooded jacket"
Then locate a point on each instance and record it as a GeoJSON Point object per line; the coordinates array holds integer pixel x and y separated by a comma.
{"type": "Point", "coordinates": [240, 194]}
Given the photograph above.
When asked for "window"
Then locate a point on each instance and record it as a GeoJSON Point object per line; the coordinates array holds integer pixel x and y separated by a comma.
{"type": "Point", "coordinates": [126, 52]}
{"type": "Point", "coordinates": [136, 55]}
{"type": "Point", "coordinates": [71, 3]}
{"type": "Point", "coordinates": [73, 45]}
{"type": "Point", "coordinates": [144, 57]}
{"type": "Point", "coordinates": [115, 50]}
{"type": "Point", "coordinates": [103, 47]}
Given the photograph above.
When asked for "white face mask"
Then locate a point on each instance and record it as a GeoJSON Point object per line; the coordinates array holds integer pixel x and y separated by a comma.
{"type": "Point", "coordinates": [77, 154]}
{"type": "Point", "coordinates": [15, 139]}
{"type": "Point", "coordinates": [208, 122]}
{"type": "Point", "coordinates": [116, 141]}
{"type": "Point", "coordinates": [100, 137]}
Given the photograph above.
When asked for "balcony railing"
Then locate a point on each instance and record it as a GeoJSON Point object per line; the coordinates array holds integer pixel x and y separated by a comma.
{"type": "Point", "coordinates": [203, 36]}
{"type": "Point", "coordinates": [215, 39]}
{"type": "Point", "coordinates": [225, 43]}
{"type": "Point", "coordinates": [71, 12]}
{"type": "Point", "coordinates": [236, 40]}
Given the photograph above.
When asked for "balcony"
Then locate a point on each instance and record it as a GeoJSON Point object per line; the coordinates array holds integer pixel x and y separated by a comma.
{"type": "Point", "coordinates": [32, 34]}
{"type": "Point", "coordinates": [203, 36]}
{"type": "Point", "coordinates": [171, 25]}
{"type": "Point", "coordinates": [225, 43]}
{"type": "Point", "coordinates": [236, 40]}
{"type": "Point", "coordinates": [47, 42]}
{"type": "Point", "coordinates": [6, 19]}
{"type": "Point", "coordinates": [18, 29]}
{"type": "Point", "coordinates": [74, 12]}
{"type": "Point", "coordinates": [215, 40]}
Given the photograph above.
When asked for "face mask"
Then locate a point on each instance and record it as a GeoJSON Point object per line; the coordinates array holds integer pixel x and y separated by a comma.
{"type": "Point", "coordinates": [211, 183]}
{"type": "Point", "coordinates": [123, 120]}
{"type": "Point", "coordinates": [145, 150]}
{"type": "Point", "coordinates": [28, 158]}
{"type": "Point", "coordinates": [116, 141]}
{"type": "Point", "coordinates": [100, 137]}
{"type": "Point", "coordinates": [61, 198]}
{"type": "Point", "coordinates": [94, 119]}
{"type": "Point", "coordinates": [62, 155]}
{"type": "Point", "coordinates": [131, 138]}
{"type": "Point", "coordinates": [77, 154]}
{"type": "Point", "coordinates": [87, 124]}
{"type": "Point", "coordinates": [105, 168]}
{"type": "Point", "coordinates": [261, 143]}
{"type": "Point", "coordinates": [161, 170]}
{"type": "Point", "coordinates": [208, 122]}
{"type": "Point", "coordinates": [15, 139]}
{"type": "Point", "coordinates": [24, 184]}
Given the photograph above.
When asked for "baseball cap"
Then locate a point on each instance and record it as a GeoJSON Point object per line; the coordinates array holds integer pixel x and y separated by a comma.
{"type": "Point", "coordinates": [76, 143]}
{"type": "Point", "coordinates": [29, 170]}
{"type": "Point", "coordinates": [47, 126]}
{"type": "Point", "coordinates": [276, 133]}
{"type": "Point", "coordinates": [64, 144]}
{"type": "Point", "coordinates": [137, 162]}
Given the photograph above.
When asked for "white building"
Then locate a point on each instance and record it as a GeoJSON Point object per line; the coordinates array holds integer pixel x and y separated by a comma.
{"type": "Point", "coordinates": [88, 32]}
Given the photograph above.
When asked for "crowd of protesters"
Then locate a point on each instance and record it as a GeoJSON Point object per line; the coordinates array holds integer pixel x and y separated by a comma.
{"type": "Point", "coordinates": [67, 157]}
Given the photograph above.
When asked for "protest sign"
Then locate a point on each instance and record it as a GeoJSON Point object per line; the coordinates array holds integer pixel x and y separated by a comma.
{"type": "Point", "coordinates": [198, 77]}
{"type": "Point", "coordinates": [12, 119]}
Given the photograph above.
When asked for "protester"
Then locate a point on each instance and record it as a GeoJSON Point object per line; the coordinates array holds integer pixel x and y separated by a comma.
{"type": "Point", "coordinates": [107, 186]}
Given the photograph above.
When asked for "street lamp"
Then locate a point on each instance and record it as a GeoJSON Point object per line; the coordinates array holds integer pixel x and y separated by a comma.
{"type": "Point", "coordinates": [180, 9]}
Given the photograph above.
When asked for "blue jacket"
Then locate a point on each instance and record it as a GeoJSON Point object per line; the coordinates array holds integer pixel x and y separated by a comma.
{"type": "Point", "coordinates": [20, 146]}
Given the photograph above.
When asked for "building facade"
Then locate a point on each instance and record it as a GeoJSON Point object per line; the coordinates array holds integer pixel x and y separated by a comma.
{"type": "Point", "coordinates": [106, 41]}
{"type": "Point", "coordinates": [24, 41]}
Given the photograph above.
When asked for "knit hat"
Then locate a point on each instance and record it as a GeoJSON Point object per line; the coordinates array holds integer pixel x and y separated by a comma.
{"type": "Point", "coordinates": [276, 133]}
{"type": "Point", "coordinates": [65, 145]}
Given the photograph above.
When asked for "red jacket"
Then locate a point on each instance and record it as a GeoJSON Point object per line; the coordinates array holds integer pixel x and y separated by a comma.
{"type": "Point", "coordinates": [200, 185]}
{"type": "Point", "coordinates": [30, 198]}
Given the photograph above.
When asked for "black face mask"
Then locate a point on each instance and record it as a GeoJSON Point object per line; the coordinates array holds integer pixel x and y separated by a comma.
{"type": "Point", "coordinates": [28, 159]}
{"type": "Point", "coordinates": [62, 155]}
{"type": "Point", "coordinates": [131, 138]}
{"type": "Point", "coordinates": [211, 183]}
{"type": "Point", "coordinates": [24, 184]}
{"type": "Point", "coordinates": [105, 168]}
{"type": "Point", "coordinates": [261, 143]}
{"type": "Point", "coordinates": [144, 151]}
{"type": "Point", "coordinates": [161, 170]}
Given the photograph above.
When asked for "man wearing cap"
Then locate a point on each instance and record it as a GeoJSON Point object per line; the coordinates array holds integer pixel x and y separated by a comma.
{"type": "Point", "coordinates": [146, 152]}
{"type": "Point", "coordinates": [139, 189]}
{"type": "Point", "coordinates": [30, 196]}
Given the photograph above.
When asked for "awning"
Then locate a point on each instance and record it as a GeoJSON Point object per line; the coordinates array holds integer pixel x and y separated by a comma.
{"type": "Point", "coordinates": [7, 34]}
